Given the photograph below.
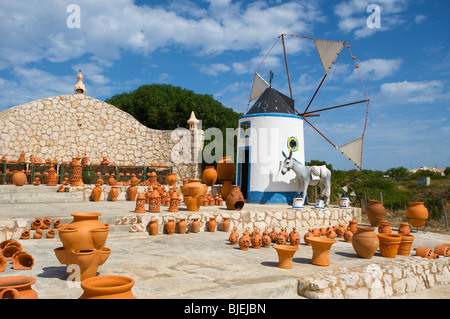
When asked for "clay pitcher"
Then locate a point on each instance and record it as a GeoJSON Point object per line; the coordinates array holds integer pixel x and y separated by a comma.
{"type": "Point", "coordinates": [153, 228]}
{"type": "Point", "coordinates": [195, 225]}
{"type": "Point", "coordinates": [375, 212]}
{"type": "Point", "coordinates": [212, 224]}
{"type": "Point", "coordinates": [209, 175]}
{"type": "Point", "coordinates": [182, 225]}
{"type": "Point", "coordinates": [226, 224]}
{"type": "Point", "coordinates": [365, 241]}
{"type": "Point", "coordinates": [170, 226]}
{"type": "Point", "coordinates": [417, 214]}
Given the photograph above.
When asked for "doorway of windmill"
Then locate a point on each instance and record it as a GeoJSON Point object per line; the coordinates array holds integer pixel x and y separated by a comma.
{"type": "Point", "coordinates": [244, 173]}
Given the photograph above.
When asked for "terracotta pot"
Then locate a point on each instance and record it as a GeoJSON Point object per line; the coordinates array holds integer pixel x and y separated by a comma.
{"type": "Point", "coordinates": [132, 192]}
{"type": "Point", "coordinates": [25, 234]}
{"type": "Point", "coordinates": [234, 237]}
{"type": "Point", "coordinates": [321, 250]}
{"type": "Point", "coordinates": [170, 226]}
{"type": "Point", "coordinates": [375, 212]}
{"type": "Point", "coordinates": [38, 234]}
{"type": "Point", "coordinates": [425, 252]}
{"type": "Point", "coordinates": [209, 175]}
{"type": "Point", "coordinates": [442, 250]}
{"type": "Point", "coordinates": [36, 223]}
{"type": "Point", "coordinates": [17, 287]}
{"type": "Point", "coordinates": [389, 244]}
{"type": "Point", "coordinates": [384, 227]}
{"type": "Point", "coordinates": [22, 261]}
{"type": "Point", "coordinates": [96, 193]}
{"type": "Point", "coordinates": [57, 223]}
{"type": "Point", "coordinates": [352, 226]}
{"type": "Point", "coordinates": [194, 188]}
{"type": "Point", "coordinates": [182, 225]}
{"type": "Point", "coordinates": [244, 242]}
{"type": "Point", "coordinates": [226, 224]}
{"type": "Point", "coordinates": [316, 232]}
{"type": "Point", "coordinates": [195, 225]}
{"type": "Point", "coordinates": [365, 241]}
{"type": "Point", "coordinates": [348, 236]}
{"type": "Point", "coordinates": [306, 237]}
{"type": "Point", "coordinates": [285, 255]}
{"type": "Point", "coordinates": [107, 287]}
{"type": "Point", "coordinates": [226, 169]}
{"type": "Point", "coordinates": [417, 214]}
{"type": "Point", "coordinates": [405, 245]}
{"type": "Point", "coordinates": [226, 188]}
{"type": "Point", "coordinates": [9, 251]}
{"type": "Point", "coordinates": [403, 229]}
{"type": "Point", "coordinates": [256, 239]}
{"type": "Point", "coordinates": [281, 239]}
{"type": "Point", "coordinates": [212, 224]}
{"type": "Point", "coordinates": [140, 204]}
{"type": "Point", "coordinates": [153, 228]}
{"type": "Point", "coordinates": [171, 179]}
{"type": "Point", "coordinates": [51, 233]}
{"type": "Point", "coordinates": [340, 231]}
{"type": "Point", "coordinates": [266, 241]}
{"type": "Point", "coordinates": [294, 237]}
{"type": "Point", "coordinates": [235, 200]}
{"type": "Point", "coordinates": [19, 178]}
{"type": "Point", "coordinates": [273, 235]}
{"type": "Point", "coordinates": [330, 233]}
{"type": "Point", "coordinates": [114, 193]}
{"type": "Point", "coordinates": [3, 263]}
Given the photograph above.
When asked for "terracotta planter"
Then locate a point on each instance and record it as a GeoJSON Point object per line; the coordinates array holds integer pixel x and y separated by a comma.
{"type": "Point", "coordinates": [403, 229]}
{"type": "Point", "coordinates": [22, 261]}
{"type": "Point", "coordinates": [96, 193]}
{"type": "Point", "coordinates": [107, 287]}
{"type": "Point", "coordinates": [285, 255]}
{"type": "Point", "coordinates": [404, 248]}
{"type": "Point", "coordinates": [235, 199]}
{"type": "Point", "coordinates": [225, 169]}
{"type": "Point", "coordinates": [389, 244]}
{"type": "Point", "coordinates": [171, 179]}
{"type": "Point", "coordinates": [425, 252]}
{"type": "Point", "coordinates": [226, 224]}
{"type": "Point", "coordinates": [417, 214]}
{"type": "Point", "coordinates": [170, 226]}
{"type": "Point", "coordinates": [17, 287]}
{"type": "Point", "coordinates": [321, 250]}
{"type": "Point", "coordinates": [442, 250]}
{"type": "Point", "coordinates": [234, 237]}
{"type": "Point", "coordinates": [19, 178]}
{"type": "Point", "coordinates": [195, 225]}
{"type": "Point", "coordinates": [384, 227]}
{"type": "Point", "coordinates": [244, 242]}
{"type": "Point", "coordinates": [375, 212]}
{"type": "Point", "coordinates": [365, 241]}
{"type": "Point", "coordinates": [209, 175]}
{"type": "Point", "coordinates": [182, 225]}
{"type": "Point", "coordinates": [153, 228]}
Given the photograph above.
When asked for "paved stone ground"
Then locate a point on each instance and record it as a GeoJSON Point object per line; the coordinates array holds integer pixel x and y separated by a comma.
{"type": "Point", "coordinates": [200, 265]}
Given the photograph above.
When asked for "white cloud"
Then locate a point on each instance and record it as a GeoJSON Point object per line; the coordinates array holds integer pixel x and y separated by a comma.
{"type": "Point", "coordinates": [376, 69]}
{"type": "Point", "coordinates": [214, 69]}
{"type": "Point", "coordinates": [413, 92]}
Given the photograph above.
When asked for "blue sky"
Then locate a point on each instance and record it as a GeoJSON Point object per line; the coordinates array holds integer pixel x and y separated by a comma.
{"type": "Point", "coordinates": [215, 46]}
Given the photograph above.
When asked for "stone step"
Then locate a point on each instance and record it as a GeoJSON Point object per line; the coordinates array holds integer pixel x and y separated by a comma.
{"type": "Point", "coordinates": [12, 189]}
{"type": "Point", "coordinates": [17, 198]}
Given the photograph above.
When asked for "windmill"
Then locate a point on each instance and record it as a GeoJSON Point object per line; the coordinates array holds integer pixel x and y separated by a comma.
{"type": "Point", "coordinates": [328, 51]}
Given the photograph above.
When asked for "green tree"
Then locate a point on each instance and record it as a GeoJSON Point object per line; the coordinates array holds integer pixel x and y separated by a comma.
{"type": "Point", "coordinates": [399, 173]}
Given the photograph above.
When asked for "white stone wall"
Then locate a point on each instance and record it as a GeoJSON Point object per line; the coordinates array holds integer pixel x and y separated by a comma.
{"type": "Point", "coordinates": [49, 128]}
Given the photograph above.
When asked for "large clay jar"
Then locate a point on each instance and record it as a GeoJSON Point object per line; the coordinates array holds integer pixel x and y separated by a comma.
{"type": "Point", "coordinates": [170, 226]}
{"type": "Point", "coordinates": [375, 212]}
{"type": "Point", "coordinates": [171, 179]}
{"type": "Point", "coordinates": [321, 250]}
{"type": "Point", "coordinates": [285, 255]}
{"type": "Point", "coordinates": [417, 214]}
{"type": "Point", "coordinates": [235, 199]}
{"type": "Point", "coordinates": [195, 225]}
{"type": "Point", "coordinates": [389, 244]}
{"type": "Point", "coordinates": [226, 169]}
{"type": "Point", "coordinates": [209, 175]}
{"type": "Point", "coordinates": [107, 287]}
{"type": "Point", "coordinates": [404, 248]}
{"type": "Point", "coordinates": [17, 287]}
{"type": "Point", "coordinates": [226, 224]}
{"type": "Point", "coordinates": [153, 228]}
{"type": "Point", "coordinates": [96, 193]}
{"type": "Point", "coordinates": [212, 224]}
{"type": "Point", "coordinates": [403, 229]}
{"type": "Point", "coordinates": [365, 242]}
{"type": "Point", "coordinates": [19, 178]}
{"type": "Point", "coordinates": [182, 225]}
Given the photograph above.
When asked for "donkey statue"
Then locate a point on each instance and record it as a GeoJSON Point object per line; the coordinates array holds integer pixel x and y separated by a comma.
{"type": "Point", "coordinates": [309, 175]}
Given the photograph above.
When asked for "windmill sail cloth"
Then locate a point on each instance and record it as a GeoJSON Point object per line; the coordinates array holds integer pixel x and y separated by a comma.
{"type": "Point", "coordinates": [353, 151]}
{"type": "Point", "coordinates": [328, 52]}
{"type": "Point", "coordinates": [258, 87]}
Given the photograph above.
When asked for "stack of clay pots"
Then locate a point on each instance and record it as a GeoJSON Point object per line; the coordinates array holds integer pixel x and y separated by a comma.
{"type": "Point", "coordinates": [11, 250]}
{"type": "Point", "coordinates": [38, 225]}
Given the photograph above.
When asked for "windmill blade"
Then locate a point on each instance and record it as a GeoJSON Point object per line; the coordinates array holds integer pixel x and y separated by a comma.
{"type": "Point", "coordinates": [328, 52]}
{"type": "Point", "coordinates": [258, 87]}
{"type": "Point", "coordinates": [353, 151]}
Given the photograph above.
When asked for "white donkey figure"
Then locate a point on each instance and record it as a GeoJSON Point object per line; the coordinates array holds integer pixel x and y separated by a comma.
{"type": "Point", "coordinates": [309, 175]}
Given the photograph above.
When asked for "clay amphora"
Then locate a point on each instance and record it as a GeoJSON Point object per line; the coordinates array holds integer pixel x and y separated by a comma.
{"type": "Point", "coordinates": [256, 239]}
{"type": "Point", "coordinates": [234, 237]}
{"type": "Point", "coordinates": [384, 227]}
{"type": "Point", "coordinates": [22, 261]}
{"type": "Point", "coordinates": [404, 248]}
{"type": "Point", "coordinates": [195, 225]}
{"type": "Point", "coordinates": [226, 224]}
{"type": "Point", "coordinates": [365, 241]}
{"type": "Point", "coordinates": [212, 224]}
{"type": "Point", "coordinates": [417, 214]}
{"type": "Point", "coordinates": [389, 244]}
{"type": "Point", "coordinates": [107, 287]}
{"type": "Point", "coordinates": [19, 178]}
{"type": "Point", "coordinates": [153, 228]}
{"type": "Point", "coordinates": [442, 250]}
{"type": "Point", "coordinates": [235, 199]}
{"type": "Point", "coordinates": [182, 225]}
{"type": "Point", "coordinates": [96, 193]}
{"type": "Point", "coordinates": [171, 179]}
{"type": "Point", "coordinates": [225, 169]}
{"type": "Point", "coordinates": [403, 229]}
{"type": "Point", "coordinates": [294, 237]}
{"type": "Point", "coordinates": [425, 252]}
{"type": "Point", "coordinates": [285, 255]}
{"type": "Point", "coordinates": [244, 242]}
{"type": "Point", "coordinates": [170, 226]}
{"type": "Point", "coordinates": [17, 287]}
{"type": "Point", "coordinates": [321, 250]}
{"type": "Point", "coordinates": [209, 175]}
{"type": "Point", "coordinates": [375, 212]}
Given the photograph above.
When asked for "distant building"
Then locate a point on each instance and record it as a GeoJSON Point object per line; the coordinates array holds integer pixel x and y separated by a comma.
{"type": "Point", "coordinates": [429, 169]}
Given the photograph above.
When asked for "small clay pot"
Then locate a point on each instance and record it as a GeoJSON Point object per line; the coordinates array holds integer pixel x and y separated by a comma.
{"type": "Point", "coordinates": [294, 237]}
{"type": "Point", "coordinates": [51, 233]}
{"type": "Point", "coordinates": [234, 237]}
{"type": "Point", "coordinates": [348, 236]}
{"type": "Point", "coordinates": [25, 234]}
{"type": "Point", "coordinates": [22, 261]}
{"type": "Point", "coordinates": [256, 239]}
{"type": "Point", "coordinates": [153, 228]}
{"type": "Point", "coordinates": [281, 239]}
{"type": "Point", "coordinates": [405, 245]}
{"type": "Point", "coordinates": [403, 229]}
{"type": "Point", "coordinates": [195, 225]}
{"type": "Point", "coordinates": [36, 224]}
{"type": "Point", "coordinates": [352, 226]}
{"type": "Point", "coordinates": [273, 235]}
{"type": "Point", "coordinates": [285, 255]}
{"type": "Point", "coordinates": [107, 287]}
{"type": "Point", "coordinates": [170, 226]}
{"type": "Point", "coordinates": [384, 227]}
{"type": "Point", "coordinates": [212, 224]}
{"type": "Point", "coordinates": [266, 241]}
{"type": "Point", "coordinates": [306, 237]}
{"type": "Point", "coordinates": [389, 244]}
{"type": "Point", "coordinates": [244, 242]}
{"type": "Point", "coordinates": [226, 224]}
{"type": "Point", "coordinates": [182, 225]}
